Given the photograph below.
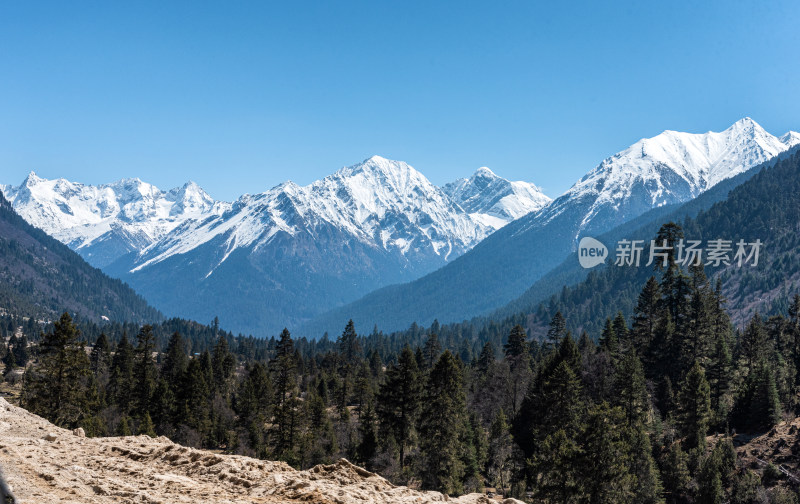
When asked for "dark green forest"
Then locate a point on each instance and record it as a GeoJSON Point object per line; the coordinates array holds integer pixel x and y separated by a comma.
{"type": "Point", "coordinates": [623, 415]}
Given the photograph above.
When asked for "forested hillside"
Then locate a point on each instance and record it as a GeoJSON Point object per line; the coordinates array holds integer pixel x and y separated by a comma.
{"type": "Point", "coordinates": [767, 207]}
{"type": "Point", "coordinates": [625, 419]}
{"type": "Point", "coordinates": [570, 272]}
{"type": "Point", "coordinates": [40, 277]}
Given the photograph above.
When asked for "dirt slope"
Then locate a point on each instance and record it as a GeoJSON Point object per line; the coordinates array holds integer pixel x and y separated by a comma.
{"type": "Point", "coordinates": [45, 464]}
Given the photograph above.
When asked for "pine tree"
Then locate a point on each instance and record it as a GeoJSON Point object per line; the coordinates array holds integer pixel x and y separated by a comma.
{"type": "Point", "coordinates": [675, 474]}
{"type": "Point", "coordinates": [59, 387]}
{"type": "Point", "coordinates": [441, 423]}
{"type": "Point", "coordinates": [399, 399]}
{"type": "Point", "coordinates": [101, 352]}
{"type": "Point", "coordinates": [431, 351]}
{"type": "Point", "coordinates": [553, 401]}
{"type": "Point", "coordinates": [695, 407]}
{"type": "Point", "coordinates": [516, 346]}
{"type": "Point", "coordinates": [224, 363]}
{"type": "Point", "coordinates": [486, 358]}
{"type": "Point", "coordinates": [648, 488]}
{"type": "Point", "coordinates": [709, 480]}
{"type": "Point", "coordinates": [284, 365]}
{"type": "Point", "coordinates": [124, 428]}
{"type": "Point", "coordinates": [609, 342]}
{"type": "Point", "coordinates": [621, 332]}
{"type": "Point", "coordinates": [146, 426]}
{"type": "Point", "coordinates": [557, 329]}
{"type": "Point", "coordinates": [193, 398]}
{"type": "Point", "coordinates": [145, 369]}
{"type": "Point", "coordinates": [605, 459]}
{"type": "Point", "coordinates": [500, 450]}
{"type": "Point", "coordinates": [645, 316]}
{"type": "Point", "coordinates": [121, 384]}
{"type": "Point", "coordinates": [765, 406]}
{"type": "Point", "coordinates": [518, 358]}
{"type": "Point", "coordinates": [631, 390]}
{"type": "Point", "coordinates": [368, 446]}
{"type": "Point", "coordinates": [175, 360]}
{"type": "Point", "coordinates": [754, 342]}
{"type": "Point", "coordinates": [349, 349]}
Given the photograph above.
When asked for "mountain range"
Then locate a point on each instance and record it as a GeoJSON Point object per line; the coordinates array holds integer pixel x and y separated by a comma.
{"type": "Point", "coordinates": [670, 168]}
{"type": "Point", "coordinates": [279, 257]}
{"type": "Point", "coordinates": [376, 241]}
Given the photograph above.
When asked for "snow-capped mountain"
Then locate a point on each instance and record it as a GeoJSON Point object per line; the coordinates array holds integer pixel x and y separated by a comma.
{"type": "Point", "coordinates": [669, 168]}
{"type": "Point", "coordinates": [274, 258]}
{"type": "Point", "coordinates": [672, 167]}
{"type": "Point", "coordinates": [381, 203]}
{"type": "Point", "coordinates": [495, 201]}
{"type": "Point", "coordinates": [105, 222]}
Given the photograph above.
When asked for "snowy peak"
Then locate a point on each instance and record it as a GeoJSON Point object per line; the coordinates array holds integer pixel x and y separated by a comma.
{"type": "Point", "coordinates": [126, 215]}
{"type": "Point", "coordinates": [671, 167]}
{"type": "Point", "coordinates": [493, 200]}
{"type": "Point", "coordinates": [385, 204]}
{"type": "Point", "coordinates": [790, 139]}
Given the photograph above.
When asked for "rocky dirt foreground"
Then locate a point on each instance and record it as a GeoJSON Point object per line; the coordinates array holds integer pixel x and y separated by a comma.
{"type": "Point", "coordinates": [45, 464]}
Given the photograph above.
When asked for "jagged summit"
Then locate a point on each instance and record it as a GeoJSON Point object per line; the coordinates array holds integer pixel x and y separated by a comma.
{"type": "Point", "coordinates": [668, 168]}
{"type": "Point", "coordinates": [494, 200]}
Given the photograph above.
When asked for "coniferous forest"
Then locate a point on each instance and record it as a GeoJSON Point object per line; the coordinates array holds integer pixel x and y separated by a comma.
{"type": "Point", "coordinates": [643, 411]}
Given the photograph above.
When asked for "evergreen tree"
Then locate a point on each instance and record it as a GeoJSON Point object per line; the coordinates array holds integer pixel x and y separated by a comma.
{"type": "Point", "coordinates": [145, 369]}
{"type": "Point", "coordinates": [441, 423]}
{"type": "Point", "coordinates": [224, 363]}
{"type": "Point", "coordinates": [146, 426]}
{"type": "Point", "coordinates": [516, 346]}
{"type": "Point", "coordinates": [557, 329]}
{"type": "Point", "coordinates": [645, 316]}
{"type": "Point", "coordinates": [631, 390]}
{"type": "Point", "coordinates": [675, 474]}
{"type": "Point", "coordinates": [486, 358]}
{"type": "Point", "coordinates": [59, 387]}
{"type": "Point", "coordinates": [695, 407]}
{"type": "Point", "coordinates": [500, 451]}
{"type": "Point", "coordinates": [754, 343]}
{"type": "Point", "coordinates": [647, 486]}
{"type": "Point", "coordinates": [124, 428]}
{"type": "Point", "coordinates": [121, 384]}
{"type": "Point", "coordinates": [399, 399]}
{"type": "Point", "coordinates": [431, 351]}
{"type": "Point", "coordinates": [284, 365]}
{"type": "Point", "coordinates": [100, 356]}
{"type": "Point", "coordinates": [368, 446]}
{"type": "Point", "coordinates": [349, 350]}
{"type": "Point", "coordinates": [606, 459]}
{"type": "Point", "coordinates": [175, 360]}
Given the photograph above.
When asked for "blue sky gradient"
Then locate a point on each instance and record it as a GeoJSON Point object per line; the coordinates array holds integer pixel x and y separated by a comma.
{"type": "Point", "coordinates": [241, 96]}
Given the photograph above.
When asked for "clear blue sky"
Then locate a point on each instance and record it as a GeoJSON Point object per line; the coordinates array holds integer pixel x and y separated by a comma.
{"type": "Point", "coordinates": [240, 96]}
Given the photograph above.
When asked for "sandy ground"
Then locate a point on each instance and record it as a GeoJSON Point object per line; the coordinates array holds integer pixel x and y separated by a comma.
{"type": "Point", "coordinates": [44, 464]}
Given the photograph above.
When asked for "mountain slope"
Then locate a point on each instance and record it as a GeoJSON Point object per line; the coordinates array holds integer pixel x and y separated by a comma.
{"type": "Point", "coordinates": [765, 207]}
{"type": "Point", "coordinates": [569, 272]}
{"type": "Point", "coordinates": [667, 169]}
{"type": "Point", "coordinates": [41, 277]}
